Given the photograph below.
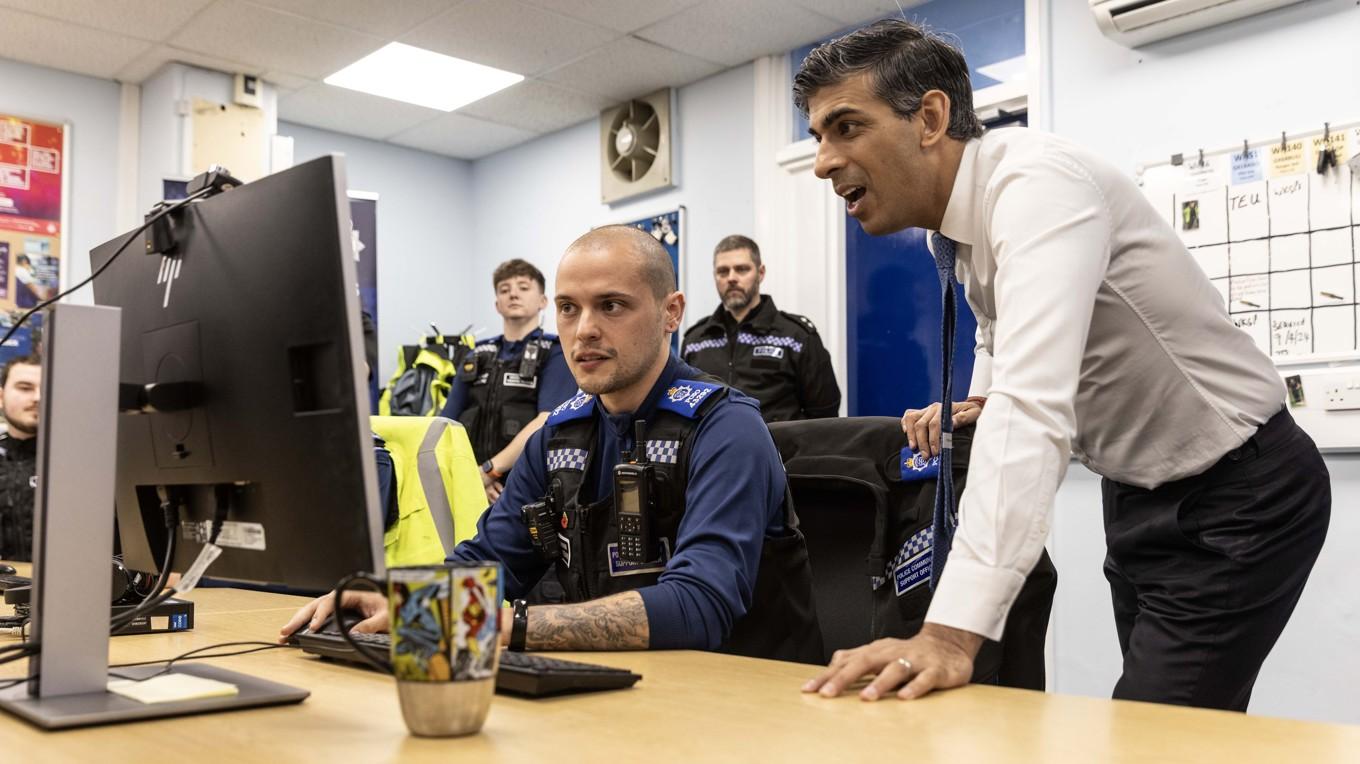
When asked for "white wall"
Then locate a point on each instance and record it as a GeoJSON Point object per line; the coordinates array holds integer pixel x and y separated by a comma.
{"type": "Point", "coordinates": [1292, 70]}
{"type": "Point", "coordinates": [427, 266]}
{"type": "Point", "coordinates": [91, 106]}
{"type": "Point", "coordinates": [533, 200]}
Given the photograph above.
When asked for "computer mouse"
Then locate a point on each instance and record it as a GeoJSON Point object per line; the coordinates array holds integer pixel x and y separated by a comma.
{"type": "Point", "coordinates": [7, 570]}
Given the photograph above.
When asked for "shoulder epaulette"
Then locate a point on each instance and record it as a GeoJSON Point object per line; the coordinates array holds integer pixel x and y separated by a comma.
{"type": "Point", "coordinates": [802, 321]}
{"type": "Point", "coordinates": [577, 407]}
{"type": "Point", "coordinates": [685, 396]}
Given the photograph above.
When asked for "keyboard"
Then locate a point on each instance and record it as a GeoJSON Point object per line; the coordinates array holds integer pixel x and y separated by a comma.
{"type": "Point", "coordinates": [523, 674]}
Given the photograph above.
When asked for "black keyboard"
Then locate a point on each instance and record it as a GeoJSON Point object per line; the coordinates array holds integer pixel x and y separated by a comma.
{"type": "Point", "coordinates": [523, 674]}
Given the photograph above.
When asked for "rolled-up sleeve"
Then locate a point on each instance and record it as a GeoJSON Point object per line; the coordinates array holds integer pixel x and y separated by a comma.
{"type": "Point", "coordinates": [1049, 227]}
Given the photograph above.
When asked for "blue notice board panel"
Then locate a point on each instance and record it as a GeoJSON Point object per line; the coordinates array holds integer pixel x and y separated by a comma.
{"type": "Point", "coordinates": [893, 324]}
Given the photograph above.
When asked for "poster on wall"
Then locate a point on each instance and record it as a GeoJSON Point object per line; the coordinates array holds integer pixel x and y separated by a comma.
{"type": "Point", "coordinates": [363, 216]}
{"type": "Point", "coordinates": [669, 229]}
{"type": "Point", "coordinates": [32, 212]}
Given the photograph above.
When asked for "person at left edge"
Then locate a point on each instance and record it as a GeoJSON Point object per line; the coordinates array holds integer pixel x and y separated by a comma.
{"type": "Point", "coordinates": [506, 386]}
{"type": "Point", "coordinates": [20, 396]}
{"type": "Point", "coordinates": [731, 568]}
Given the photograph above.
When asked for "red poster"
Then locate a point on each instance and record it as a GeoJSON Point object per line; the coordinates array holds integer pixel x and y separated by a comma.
{"type": "Point", "coordinates": [32, 160]}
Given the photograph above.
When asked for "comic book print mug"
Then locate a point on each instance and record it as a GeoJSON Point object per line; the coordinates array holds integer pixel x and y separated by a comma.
{"type": "Point", "coordinates": [445, 638]}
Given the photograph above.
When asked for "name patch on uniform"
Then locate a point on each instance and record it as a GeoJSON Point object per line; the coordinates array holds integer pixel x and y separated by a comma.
{"type": "Point", "coordinates": [565, 543]}
{"type": "Point", "coordinates": [917, 467]}
{"type": "Point", "coordinates": [515, 380]}
{"type": "Point", "coordinates": [685, 395]}
{"type": "Point", "coordinates": [618, 567]}
{"type": "Point", "coordinates": [767, 351]}
{"type": "Point", "coordinates": [912, 566]}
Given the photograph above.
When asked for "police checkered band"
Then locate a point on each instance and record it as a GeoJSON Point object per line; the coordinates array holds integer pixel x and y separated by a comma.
{"type": "Point", "coordinates": [760, 339]}
{"type": "Point", "coordinates": [919, 542]}
{"type": "Point", "coordinates": [695, 347]}
{"type": "Point", "coordinates": [663, 451]}
{"type": "Point", "coordinates": [567, 459]}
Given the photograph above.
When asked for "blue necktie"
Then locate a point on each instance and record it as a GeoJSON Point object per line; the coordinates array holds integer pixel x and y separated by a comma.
{"type": "Point", "coordinates": [946, 519]}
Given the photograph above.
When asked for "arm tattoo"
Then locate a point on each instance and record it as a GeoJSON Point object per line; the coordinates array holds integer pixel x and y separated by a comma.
{"type": "Point", "coordinates": [617, 622]}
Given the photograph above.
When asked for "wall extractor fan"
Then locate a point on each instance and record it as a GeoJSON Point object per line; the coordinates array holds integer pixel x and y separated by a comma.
{"type": "Point", "coordinates": [635, 147]}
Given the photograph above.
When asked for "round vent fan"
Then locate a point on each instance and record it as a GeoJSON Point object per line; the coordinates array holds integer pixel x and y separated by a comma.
{"type": "Point", "coordinates": [634, 138]}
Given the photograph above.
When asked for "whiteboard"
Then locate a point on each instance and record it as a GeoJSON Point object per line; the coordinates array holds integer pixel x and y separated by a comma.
{"type": "Point", "coordinates": [1281, 242]}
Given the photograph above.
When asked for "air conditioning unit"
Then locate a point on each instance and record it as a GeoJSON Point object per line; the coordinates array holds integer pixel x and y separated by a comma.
{"type": "Point", "coordinates": [635, 147]}
{"type": "Point", "coordinates": [1138, 22]}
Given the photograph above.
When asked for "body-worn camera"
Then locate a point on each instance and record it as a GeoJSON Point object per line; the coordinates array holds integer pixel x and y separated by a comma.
{"type": "Point", "coordinates": [542, 518]}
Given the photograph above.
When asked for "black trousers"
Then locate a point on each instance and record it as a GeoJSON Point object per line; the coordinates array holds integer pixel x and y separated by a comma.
{"type": "Point", "coordinates": [1205, 571]}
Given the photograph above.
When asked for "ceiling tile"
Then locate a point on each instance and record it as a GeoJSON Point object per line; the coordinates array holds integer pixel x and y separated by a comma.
{"type": "Point", "coordinates": [629, 67]}
{"type": "Point", "coordinates": [152, 60]}
{"type": "Point", "coordinates": [273, 40]}
{"type": "Point", "coordinates": [509, 35]}
{"type": "Point", "coordinates": [351, 112]}
{"type": "Point", "coordinates": [61, 45]}
{"type": "Point", "coordinates": [461, 136]}
{"type": "Point", "coordinates": [619, 15]}
{"type": "Point", "coordinates": [537, 106]}
{"type": "Point", "coordinates": [734, 33]}
{"type": "Point", "coordinates": [143, 19]}
{"type": "Point", "coordinates": [286, 81]}
{"type": "Point", "coordinates": [851, 12]}
{"type": "Point", "coordinates": [385, 19]}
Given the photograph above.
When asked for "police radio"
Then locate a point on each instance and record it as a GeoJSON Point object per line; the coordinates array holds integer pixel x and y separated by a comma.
{"type": "Point", "coordinates": [633, 501]}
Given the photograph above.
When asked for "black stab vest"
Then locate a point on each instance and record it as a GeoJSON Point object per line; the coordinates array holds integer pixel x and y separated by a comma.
{"type": "Point", "coordinates": [781, 622]}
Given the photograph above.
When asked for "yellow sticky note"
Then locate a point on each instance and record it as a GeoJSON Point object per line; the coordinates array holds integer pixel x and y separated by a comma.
{"type": "Point", "coordinates": [171, 687]}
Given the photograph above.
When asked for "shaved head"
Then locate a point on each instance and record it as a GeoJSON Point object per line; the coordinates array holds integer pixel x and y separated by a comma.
{"type": "Point", "coordinates": [656, 269]}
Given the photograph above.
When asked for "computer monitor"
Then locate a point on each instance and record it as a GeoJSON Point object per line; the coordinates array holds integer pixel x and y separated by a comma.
{"type": "Point", "coordinates": [258, 303]}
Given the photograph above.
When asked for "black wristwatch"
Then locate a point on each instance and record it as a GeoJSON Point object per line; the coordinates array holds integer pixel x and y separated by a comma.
{"type": "Point", "coordinates": [519, 628]}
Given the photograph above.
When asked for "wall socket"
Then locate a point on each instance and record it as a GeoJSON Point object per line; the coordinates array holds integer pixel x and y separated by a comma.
{"type": "Point", "coordinates": [1341, 392]}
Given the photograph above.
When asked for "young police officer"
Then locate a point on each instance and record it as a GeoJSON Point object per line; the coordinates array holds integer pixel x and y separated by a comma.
{"type": "Point", "coordinates": [687, 544]}
{"type": "Point", "coordinates": [773, 356]}
{"type": "Point", "coordinates": [507, 385]}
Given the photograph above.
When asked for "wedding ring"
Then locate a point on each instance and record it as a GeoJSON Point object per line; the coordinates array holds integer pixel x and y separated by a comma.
{"type": "Point", "coordinates": [906, 664]}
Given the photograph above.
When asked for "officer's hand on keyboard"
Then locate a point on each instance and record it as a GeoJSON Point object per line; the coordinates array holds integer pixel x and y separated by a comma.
{"type": "Point", "coordinates": [372, 608]}
{"type": "Point", "coordinates": [922, 426]}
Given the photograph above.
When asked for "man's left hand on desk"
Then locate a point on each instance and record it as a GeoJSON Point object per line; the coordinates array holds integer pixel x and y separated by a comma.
{"type": "Point", "coordinates": [937, 658]}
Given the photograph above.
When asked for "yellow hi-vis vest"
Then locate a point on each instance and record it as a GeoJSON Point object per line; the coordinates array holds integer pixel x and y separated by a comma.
{"type": "Point", "coordinates": [439, 488]}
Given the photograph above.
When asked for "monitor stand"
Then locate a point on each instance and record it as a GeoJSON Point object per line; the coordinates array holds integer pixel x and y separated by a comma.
{"type": "Point", "coordinates": [73, 541]}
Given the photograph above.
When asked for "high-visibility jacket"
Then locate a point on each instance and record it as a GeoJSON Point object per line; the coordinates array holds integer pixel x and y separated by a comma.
{"type": "Point", "coordinates": [439, 488]}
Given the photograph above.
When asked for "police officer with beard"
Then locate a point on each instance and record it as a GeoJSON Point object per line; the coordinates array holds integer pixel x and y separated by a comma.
{"type": "Point", "coordinates": [772, 356]}
{"type": "Point", "coordinates": [20, 394]}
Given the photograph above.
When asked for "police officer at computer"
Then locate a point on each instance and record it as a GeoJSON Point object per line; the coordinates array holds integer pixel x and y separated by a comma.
{"type": "Point", "coordinates": [656, 493]}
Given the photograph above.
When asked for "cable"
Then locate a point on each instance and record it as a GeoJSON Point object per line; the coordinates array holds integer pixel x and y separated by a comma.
{"type": "Point", "coordinates": [131, 238]}
{"type": "Point", "coordinates": [159, 594]}
{"type": "Point", "coordinates": [193, 655]}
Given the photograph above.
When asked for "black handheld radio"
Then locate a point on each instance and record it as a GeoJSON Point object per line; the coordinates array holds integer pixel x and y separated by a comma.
{"type": "Point", "coordinates": [632, 502]}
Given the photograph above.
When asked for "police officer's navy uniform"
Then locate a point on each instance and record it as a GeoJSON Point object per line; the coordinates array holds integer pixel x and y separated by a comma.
{"type": "Point", "coordinates": [502, 385]}
{"type": "Point", "coordinates": [18, 466]}
{"type": "Point", "coordinates": [730, 569]}
{"type": "Point", "coordinates": [773, 356]}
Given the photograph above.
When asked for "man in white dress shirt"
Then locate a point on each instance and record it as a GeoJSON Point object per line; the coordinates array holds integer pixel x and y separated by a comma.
{"type": "Point", "coordinates": [1099, 337]}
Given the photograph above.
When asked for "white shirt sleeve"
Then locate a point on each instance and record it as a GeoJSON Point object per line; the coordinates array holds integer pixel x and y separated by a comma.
{"type": "Point", "coordinates": [1049, 227]}
{"type": "Point", "coordinates": [982, 360]}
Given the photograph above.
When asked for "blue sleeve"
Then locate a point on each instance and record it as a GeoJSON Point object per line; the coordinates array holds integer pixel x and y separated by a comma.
{"type": "Point", "coordinates": [387, 482]}
{"type": "Point", "coordinates": [557, 385]}
{"type": "Point", "coordinates": [735, 490]}
{"type": "Point", "coordinates": [453, 407]}
{"type": "Point", "coordinates": [501, 534]}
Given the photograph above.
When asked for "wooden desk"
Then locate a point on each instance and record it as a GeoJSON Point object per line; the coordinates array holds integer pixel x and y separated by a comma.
{"type": "Point", "coordinates": [689, 706]}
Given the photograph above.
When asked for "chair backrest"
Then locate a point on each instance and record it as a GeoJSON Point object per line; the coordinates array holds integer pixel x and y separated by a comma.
{"type": "Point", "coordinates": [439, 488]}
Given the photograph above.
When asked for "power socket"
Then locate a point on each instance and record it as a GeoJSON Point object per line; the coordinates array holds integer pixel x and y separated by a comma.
{"type": "Point", "coordinates": [1341, 392]}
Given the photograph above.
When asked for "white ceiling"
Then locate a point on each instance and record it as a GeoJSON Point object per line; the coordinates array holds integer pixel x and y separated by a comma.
{"type": "Point", "coordinates": [578, 56]}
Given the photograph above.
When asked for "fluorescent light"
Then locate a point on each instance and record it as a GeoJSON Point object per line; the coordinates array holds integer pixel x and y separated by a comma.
{"type": "Point", "coordinates": [1010, 70]}
{"type": "Point", "coordinates": [422, 77]}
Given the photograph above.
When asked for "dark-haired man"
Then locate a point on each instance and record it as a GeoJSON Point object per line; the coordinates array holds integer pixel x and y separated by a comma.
{"type": "Point", "coordinates": [724, 565]}
{"type": "Point", "coordinates": [507, 384]}
{"type": "Point", "coordinates": [1099, 336]}
{"type": "Point", "coordinates": [20, 395]}
{"type": "Point", "coordinates": [775, 357]}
